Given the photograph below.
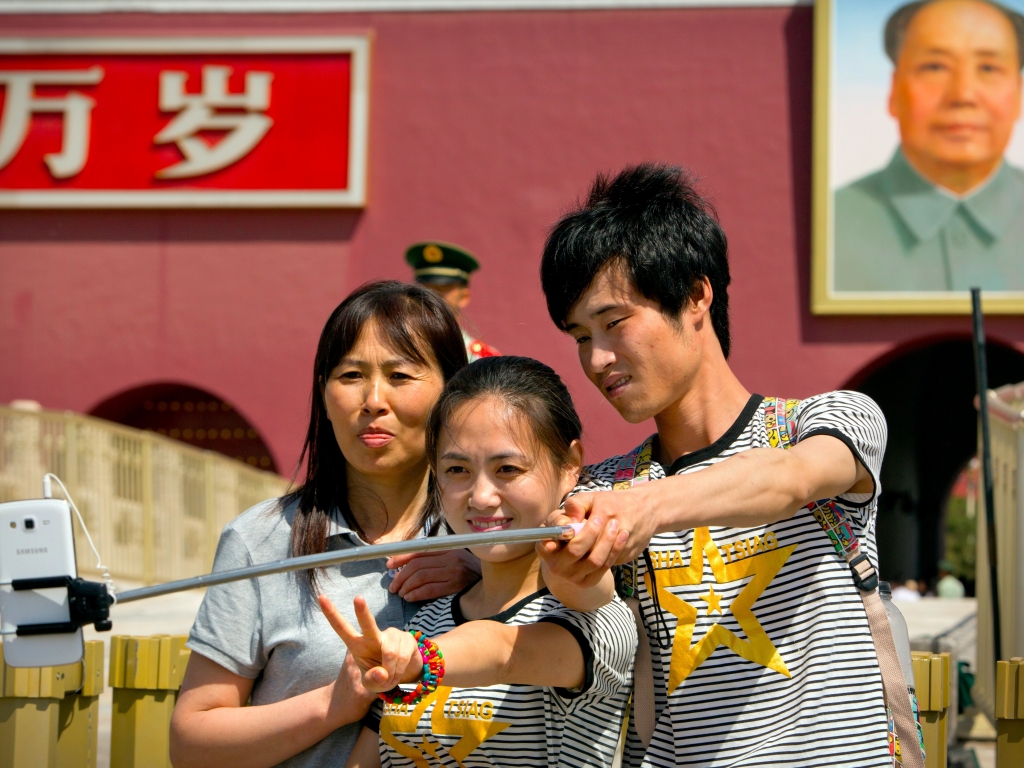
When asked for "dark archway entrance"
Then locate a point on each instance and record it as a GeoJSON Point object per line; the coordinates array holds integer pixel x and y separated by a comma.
{"type": "Point", "coordinates": [927, 395]}
{"type": "Point", "coordinates": [192, 416]}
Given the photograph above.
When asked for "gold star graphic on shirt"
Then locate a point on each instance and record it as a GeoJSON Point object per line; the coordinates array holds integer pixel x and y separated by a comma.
{"type": "Point", "coordinates": [713, 600]}
{"type": "Point", "coordinates": [472, 731]}
{"type": "Point", "coordinates": [428, 747]}
{"type": "Point", "coordinates": [758, 647]}
{"type": "Point", "coordinates": [398, 719]}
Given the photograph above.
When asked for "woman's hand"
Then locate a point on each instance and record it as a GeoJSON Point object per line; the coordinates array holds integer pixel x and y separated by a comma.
{"type": "Point", "coordinates": [386, 658]}
{"type": "Point", "coordinates": [430, 575]}
{"type": "Point", "coordinates": [349, 700]}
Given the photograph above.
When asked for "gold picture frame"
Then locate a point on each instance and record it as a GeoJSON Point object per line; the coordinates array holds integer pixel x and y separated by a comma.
{"type": "Point", "coordinates": [824, 299]}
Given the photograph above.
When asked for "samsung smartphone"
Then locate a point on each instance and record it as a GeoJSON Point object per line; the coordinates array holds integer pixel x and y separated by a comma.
{"type": "Point", "coordinates": [36, 541]}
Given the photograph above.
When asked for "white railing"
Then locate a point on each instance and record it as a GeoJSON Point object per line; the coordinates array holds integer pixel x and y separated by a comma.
{"type": "Point", "coordinates": [1006, 409]}
{"type": "Point", "coordinates": [155, 507]}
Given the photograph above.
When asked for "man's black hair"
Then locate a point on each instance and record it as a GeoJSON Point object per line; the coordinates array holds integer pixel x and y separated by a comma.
{"type": "Point", "coordinates": [665, 235]}
{"type": "Point", "coordinates": [897, 24]}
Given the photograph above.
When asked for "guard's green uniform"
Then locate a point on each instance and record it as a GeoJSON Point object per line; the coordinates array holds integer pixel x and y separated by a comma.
{"type": "Point", "coordinates": [896, 231]}
{"type": "Point", "coordinates": [443, 264]}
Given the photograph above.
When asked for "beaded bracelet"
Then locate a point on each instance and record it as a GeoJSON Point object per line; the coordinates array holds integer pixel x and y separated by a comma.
{"type": "Point", "coordinates": [433, 671]}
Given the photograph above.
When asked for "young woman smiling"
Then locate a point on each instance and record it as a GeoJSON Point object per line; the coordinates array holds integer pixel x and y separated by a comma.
{"type": "Point", "coordinates": [525, 680]}
{"type": "Point", "coordinates": [383, 358]}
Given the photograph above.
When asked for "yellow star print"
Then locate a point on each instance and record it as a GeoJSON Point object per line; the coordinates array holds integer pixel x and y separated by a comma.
{"type": "Point", "coordinates": [472, 731]}
{"type": "Point", "coordinates": [397, 719]}
{"type": "Point", "coordinates": [429, 747]}
{"type": "Point", "coordinates": [757, 648]}
{"type": "Point", "coordinates": [713, 600]}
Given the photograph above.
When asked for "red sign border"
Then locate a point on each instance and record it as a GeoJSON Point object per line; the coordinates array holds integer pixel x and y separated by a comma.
{"type": "Point", "coordinates": [354, 196]}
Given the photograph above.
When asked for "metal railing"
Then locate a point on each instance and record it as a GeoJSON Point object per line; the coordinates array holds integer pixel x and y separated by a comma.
{"type": "Point", "coordinates": [155, 507]}
{"type": "Point", "coordinates": [1006, 407]}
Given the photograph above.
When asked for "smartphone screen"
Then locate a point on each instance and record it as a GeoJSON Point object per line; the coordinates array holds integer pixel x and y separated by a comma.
{"type": "Point", "coordinates": [36, 541]}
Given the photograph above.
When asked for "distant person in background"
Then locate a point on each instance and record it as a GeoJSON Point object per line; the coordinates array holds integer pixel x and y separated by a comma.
{"type": "Point", "coordinates": [949, 586]}
{"type": "Point", "coordinates": [446, 268]}
{"type": "Point", "coordinates": [946, 213]}
{"type": "Point", "coordinates": [907, 592]}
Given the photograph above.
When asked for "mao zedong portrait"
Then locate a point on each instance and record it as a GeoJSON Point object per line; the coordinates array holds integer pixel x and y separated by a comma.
{"type": "Point", "coordinates": [947, 212]}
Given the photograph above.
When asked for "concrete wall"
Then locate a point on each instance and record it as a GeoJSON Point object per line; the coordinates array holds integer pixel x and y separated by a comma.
{"type": "Point", "coordinates": [484, 127]}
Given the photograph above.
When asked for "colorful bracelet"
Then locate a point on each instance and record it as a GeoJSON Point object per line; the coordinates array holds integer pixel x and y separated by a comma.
{"type": "Point", "coordinates": [433, 671]}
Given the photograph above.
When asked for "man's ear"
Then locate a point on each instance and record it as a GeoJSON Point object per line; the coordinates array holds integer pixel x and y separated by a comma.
{"type": "Point", "coordinates": [464, 300]}
{"type": "Point", "coordinates": [892, 97]}
{"type": "Point", "coordinates": [701, 305]}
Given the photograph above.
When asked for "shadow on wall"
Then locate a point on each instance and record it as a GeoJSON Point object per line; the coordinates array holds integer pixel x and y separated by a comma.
{"type": "Point", "coordinates": [192, 416]}
{"type": "Point", "coordinates": [926, 392]}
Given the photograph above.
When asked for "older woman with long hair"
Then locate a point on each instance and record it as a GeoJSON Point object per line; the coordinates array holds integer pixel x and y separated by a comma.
{"type": "Point", "coordinates": [383, 358]}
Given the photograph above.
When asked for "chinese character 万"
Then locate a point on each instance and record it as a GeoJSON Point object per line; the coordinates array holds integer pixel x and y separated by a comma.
{"type": "Point", "coordinates": [197, 112]}
{"type": "Point", "coordinates": [21, 102]}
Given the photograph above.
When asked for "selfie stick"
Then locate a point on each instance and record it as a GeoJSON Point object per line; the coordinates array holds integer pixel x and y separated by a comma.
{"type": "Point", "coordinates": [355, 555]}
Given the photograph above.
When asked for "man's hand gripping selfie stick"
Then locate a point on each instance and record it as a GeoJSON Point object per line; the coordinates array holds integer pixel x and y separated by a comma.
{"type": "Point", "coordinates": [357, 554]}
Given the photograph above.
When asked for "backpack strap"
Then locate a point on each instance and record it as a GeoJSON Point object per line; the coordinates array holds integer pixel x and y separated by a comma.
{"type": "Point", "coordinates": [635, 468]}
{"type": "Point", "coordinates": [781, 428]}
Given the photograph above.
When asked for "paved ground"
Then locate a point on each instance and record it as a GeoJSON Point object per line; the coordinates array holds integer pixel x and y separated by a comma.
{"type": "Point", "coordinates": [952, 620]}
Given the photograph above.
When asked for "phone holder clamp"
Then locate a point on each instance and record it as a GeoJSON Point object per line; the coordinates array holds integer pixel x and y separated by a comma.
{"type": "Point", "coordinates": [88, 603]}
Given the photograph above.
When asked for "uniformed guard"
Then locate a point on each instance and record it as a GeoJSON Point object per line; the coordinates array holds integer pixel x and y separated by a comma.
{"type": "Point", "coordinates": [446, 268]}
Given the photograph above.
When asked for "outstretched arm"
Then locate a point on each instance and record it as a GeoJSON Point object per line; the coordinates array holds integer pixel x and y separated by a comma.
{"type": "Point", "coordinates": [477, 653]}
{"type": "Point", "coordinates": [756, 487]}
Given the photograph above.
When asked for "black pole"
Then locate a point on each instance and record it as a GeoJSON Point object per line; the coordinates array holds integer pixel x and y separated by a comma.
{"type": "Point", "coordinates": [981, 379]}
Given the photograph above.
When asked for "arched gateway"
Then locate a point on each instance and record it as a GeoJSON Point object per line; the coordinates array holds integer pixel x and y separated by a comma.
{"type": "Point", "coordinates": [926, 389]}
{"type": "Point", "coordinates": [191, 415]}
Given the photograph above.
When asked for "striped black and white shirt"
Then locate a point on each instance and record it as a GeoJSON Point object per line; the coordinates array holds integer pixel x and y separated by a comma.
{"type": "Point", "coordinates": [761, 649]}
{"type": "Point", "coordinates": [520, 725]}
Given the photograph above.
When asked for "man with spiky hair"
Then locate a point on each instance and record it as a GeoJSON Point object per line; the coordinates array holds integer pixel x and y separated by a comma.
{"type": "Point", "coordinates": [761, 652]}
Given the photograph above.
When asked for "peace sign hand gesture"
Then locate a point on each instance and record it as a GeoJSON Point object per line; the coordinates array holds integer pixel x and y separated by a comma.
{"type": "Point", "coordinates": [386, 658]}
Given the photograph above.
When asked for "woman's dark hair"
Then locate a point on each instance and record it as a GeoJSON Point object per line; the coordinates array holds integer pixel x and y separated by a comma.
{"type": "Point", "coordinates": [530, 388]}
{"type": "Point", "coordinates": [651, 220]}
{"type": "Point", "coordinates": [414, 321]}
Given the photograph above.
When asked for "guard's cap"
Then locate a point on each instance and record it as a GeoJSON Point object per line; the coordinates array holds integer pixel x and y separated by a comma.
{"type": "Point", "coordinates": [435, 263]}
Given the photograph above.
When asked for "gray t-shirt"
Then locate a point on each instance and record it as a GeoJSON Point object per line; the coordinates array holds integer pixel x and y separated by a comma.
{"type": "Point", "coordinates": [271, 629]}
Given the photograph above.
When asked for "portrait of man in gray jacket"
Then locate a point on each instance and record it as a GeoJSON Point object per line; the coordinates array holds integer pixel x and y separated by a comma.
{"type": "Point", "coordinates": [947, 212]}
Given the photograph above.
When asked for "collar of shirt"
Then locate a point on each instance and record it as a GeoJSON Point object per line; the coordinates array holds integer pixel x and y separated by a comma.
{"type": "Point", "coordinates": [336, 526]}
{"type": "Point", "coordinates": [926, 209]}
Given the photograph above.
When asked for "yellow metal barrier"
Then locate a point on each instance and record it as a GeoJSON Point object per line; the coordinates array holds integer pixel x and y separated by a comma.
{"type": "Point", "coordinates": [1009, 710]}
{"type": "Point", "coordinates": [49, 716]}
{"type": "Point", "coordinates": [932, 683]}
{"type": "Point", "coordinates": [154, 506]}
{"type": "Point", "coordinates": [146, 674]}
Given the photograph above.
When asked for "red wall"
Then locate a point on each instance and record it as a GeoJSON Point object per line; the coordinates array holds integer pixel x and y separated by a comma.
{"type": "Point", "coordinates": [484, 127]}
